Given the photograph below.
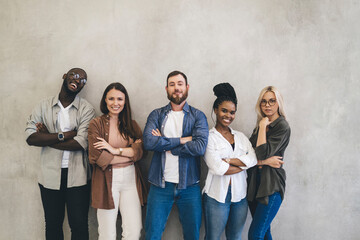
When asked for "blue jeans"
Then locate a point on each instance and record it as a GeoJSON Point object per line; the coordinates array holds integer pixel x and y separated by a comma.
{"type": "Point", "coordinates": [263, 216]}
{"type": "Point", "coordinates": [228, 216]}
{"type": "Point", "coordinates": [160, 202]}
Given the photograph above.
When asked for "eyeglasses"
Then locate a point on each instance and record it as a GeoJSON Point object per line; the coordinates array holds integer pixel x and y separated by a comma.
{"type": "Point", "coordinates": [76, 76]}
{"type": "Point", "coordinates": [271, 102]}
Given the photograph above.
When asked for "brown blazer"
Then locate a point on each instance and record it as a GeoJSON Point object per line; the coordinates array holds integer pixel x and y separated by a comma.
{"type": "Point", "coordinates": [101, 195]}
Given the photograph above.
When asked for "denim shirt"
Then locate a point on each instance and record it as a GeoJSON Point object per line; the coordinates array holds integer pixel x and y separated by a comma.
{"type": "Point", "coordinates": [195, 125]}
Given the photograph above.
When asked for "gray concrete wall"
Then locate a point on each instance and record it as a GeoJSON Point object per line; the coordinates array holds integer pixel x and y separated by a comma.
{"type": "Point", "coordinates": [309, 49]}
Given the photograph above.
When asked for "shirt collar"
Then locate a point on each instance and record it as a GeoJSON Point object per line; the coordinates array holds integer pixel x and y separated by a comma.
{"type": "Point", "coordinates": [75, 103]}
{"type": "Point", "coordinates": [185, 108]}
{"type": "Point", "coordinates": [213, 129]}
{"type": "Point", "coordinates": [273, 124]}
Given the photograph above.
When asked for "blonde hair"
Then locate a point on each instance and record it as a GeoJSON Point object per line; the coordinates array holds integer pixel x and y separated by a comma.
{"type": "Point", "coordinates": [279, 100]}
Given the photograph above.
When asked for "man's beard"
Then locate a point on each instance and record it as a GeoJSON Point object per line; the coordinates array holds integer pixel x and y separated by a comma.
{"type": "Point", "coordinates": [177, 100]}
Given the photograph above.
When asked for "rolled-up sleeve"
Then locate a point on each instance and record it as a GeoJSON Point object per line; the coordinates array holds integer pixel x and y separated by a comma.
{"type": "Point", "coordinates": [249, 159]}
{"type": "Point", "coordinates": [274, 144]}
{"type": "Point", "coordinates": [35, 117]}
{"type": "Point", "coordinates": [213, 160]}
{"type": "Point", "coordinates": [88, 113]}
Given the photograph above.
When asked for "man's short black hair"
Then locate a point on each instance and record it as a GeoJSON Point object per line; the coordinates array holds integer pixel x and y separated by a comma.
{"type": "Point", "coordinates": [174, 73]}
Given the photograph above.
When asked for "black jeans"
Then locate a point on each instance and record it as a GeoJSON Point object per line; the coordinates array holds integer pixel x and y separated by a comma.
{"type": "Point", "coordinates": [77, 202]}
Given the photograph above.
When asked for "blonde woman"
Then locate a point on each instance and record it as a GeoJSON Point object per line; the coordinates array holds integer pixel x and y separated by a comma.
{"type": "Point", "coordinates": [266, 181]}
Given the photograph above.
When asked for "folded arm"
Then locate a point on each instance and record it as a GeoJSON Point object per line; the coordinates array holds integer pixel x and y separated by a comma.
{"type": "Point", "coordinates": [157, 142]}
{"type": "Point", "coordinates": [247, 160]}
{"type": "Point", "coordinates": [42, 138]}
{"type": "Point", "coordinates": [103, 154]}
{"type": "Point", "coordinates": [39, 135]}
{"type": "Point", "coordinates": [266, 152]}
{"type": "Point", "coordinates": [197, 146]}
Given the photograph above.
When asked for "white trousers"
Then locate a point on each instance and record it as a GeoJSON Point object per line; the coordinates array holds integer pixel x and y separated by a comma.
{"type": "Point", "coordinates": [126, 199]}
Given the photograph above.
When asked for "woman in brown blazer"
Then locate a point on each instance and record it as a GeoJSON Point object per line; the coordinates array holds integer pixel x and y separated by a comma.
{"type": "Point", "coordinates": [115, 146]}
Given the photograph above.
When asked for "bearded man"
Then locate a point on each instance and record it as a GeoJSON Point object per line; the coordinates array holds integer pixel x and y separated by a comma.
{"type": "Point", "coordinates": [177, 134]}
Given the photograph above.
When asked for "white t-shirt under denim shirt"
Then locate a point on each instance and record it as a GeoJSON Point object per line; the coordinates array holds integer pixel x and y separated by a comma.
{"type": "Point", "coordinates": [217, 184]}
{"type": "Point", "coordinates": [65, 126]}
{"type": "Point", "coordinates": [173, 129]}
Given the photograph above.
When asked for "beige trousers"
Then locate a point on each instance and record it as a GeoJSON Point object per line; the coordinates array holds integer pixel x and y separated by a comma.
{"type": "Point", "coordinates": [126, 199]}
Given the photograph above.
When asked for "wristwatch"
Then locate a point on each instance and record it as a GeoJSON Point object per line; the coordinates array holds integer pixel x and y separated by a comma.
{"type": "Point", "coordinates": [61, 136]}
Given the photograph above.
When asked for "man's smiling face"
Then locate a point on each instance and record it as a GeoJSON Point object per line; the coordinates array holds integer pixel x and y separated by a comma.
{"type": "Point", "coordinates": [74, 80]}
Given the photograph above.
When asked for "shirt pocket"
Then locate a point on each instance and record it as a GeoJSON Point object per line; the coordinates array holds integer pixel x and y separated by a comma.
{"type": "Point", "coordinates": [240, 149]}
{"type": "Point", "coordinates": [222, 149]}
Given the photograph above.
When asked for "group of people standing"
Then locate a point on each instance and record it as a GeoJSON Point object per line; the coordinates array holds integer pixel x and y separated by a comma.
{"type": "Point", "coordinates": [242, 173]}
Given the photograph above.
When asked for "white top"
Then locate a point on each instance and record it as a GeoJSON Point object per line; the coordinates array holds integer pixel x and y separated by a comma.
{"type": "Point", "coordinates": [65, 125]}
{"type": "Point", "coordinates": [173, 129]}
{"type": "Point", "coordinates": [217, 184]}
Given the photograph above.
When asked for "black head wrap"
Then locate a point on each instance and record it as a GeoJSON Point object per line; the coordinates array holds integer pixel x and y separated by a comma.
{"type": "Point", "coordinates": [224, 92]}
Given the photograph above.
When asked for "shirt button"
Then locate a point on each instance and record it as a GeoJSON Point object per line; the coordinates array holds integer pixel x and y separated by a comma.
{"type": "Point", "coordinates": [110, 170]}
{"type": "Point", "coordinates": [106, 134]}
{"type": "Point", "coordinates": [107, 123]}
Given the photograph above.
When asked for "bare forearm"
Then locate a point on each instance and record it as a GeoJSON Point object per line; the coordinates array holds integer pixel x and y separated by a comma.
{"type": "Point", "coordinates": [233, 170]}
{"type": "Point", "coordinates": [274, 162]}
{"type": "Point", "coordinates": [236, 162]}
{"type": "Point", "coordinates": [70, 145]}
{"type": "Point", "coordinates": [43, 139]}
{"type": "Point", "coordinates": [126, 152]}
{"type": "Point", "coordinates": [261, 136]}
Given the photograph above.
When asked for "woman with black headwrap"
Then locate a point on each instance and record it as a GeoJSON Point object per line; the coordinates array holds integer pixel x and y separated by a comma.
{"type": "Point", "coordinates": [227, 155]}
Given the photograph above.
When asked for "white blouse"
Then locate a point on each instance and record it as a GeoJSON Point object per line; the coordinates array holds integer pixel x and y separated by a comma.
{"type": "Point", "coordinates": [217, 184]}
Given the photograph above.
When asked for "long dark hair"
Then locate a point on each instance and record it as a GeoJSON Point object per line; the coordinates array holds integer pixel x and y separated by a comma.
{"type": "Point", "coordinates": [224, 92]}
{"type": "Point", "coordinates": [126, 126]}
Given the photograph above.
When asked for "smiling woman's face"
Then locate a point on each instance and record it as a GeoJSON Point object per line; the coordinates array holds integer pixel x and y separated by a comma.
{"type": "Point", "coordinates": [115, 101]}
{"type": "Point", "coordinates": [225, 113]}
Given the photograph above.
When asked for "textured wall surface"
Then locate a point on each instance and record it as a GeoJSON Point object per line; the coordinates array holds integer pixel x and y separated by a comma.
{"type": "Point", "coordinates": [309, 49]}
